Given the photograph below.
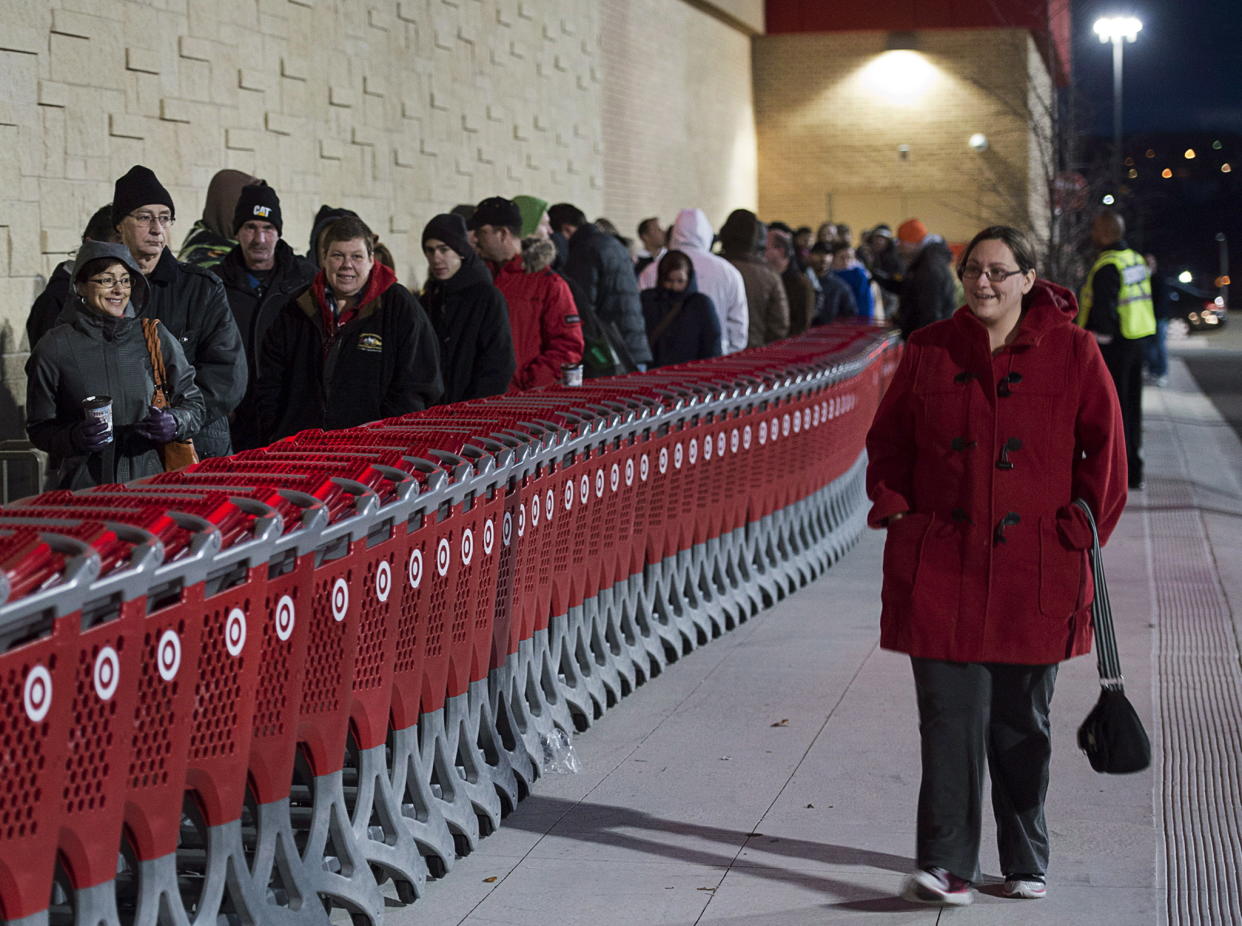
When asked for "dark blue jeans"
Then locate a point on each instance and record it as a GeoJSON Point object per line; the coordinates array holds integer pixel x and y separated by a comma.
{"type": "Point", "coordinates": [1157, 350]}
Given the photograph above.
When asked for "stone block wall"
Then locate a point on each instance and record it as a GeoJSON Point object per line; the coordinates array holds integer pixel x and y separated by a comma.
{"type": "Point", "coordinates": [834, 110]}
{"type": "Point", "coordinates": [396, 108]}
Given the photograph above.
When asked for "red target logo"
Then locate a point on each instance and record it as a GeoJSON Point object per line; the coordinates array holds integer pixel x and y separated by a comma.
{"type": "Point", "coordinates": [763, 433]}
{"type": "Point", "coordinates": [415, 568]}
{"type": "Point", "coordinates": [383, 580]}
{"type": "Point", "coordinates": [746, 437]}
{"type": "Point", "coordinates": [806, 418]}
{"type": "Point", "coordinates": [340, 600]}
{"type": "Point", "coordinates": [720, 443]}
{"type": "Point", "coordinates": [522, 521]}
{"type": "Point", "coordinates": [569, 496]}
{"type": "Point", "coordinates": [444, 555]}
{"type": "Point", "coordinates": [489, 537]}
{"type": "Point", "coordinates": [467, 547]}
{"type": "Point", "coordinates": [37, 693]}
{"type": "Point", "coordinates": [506, 529]}
{"type": "Point", "coordinates": [644, 467]}
{"type": "Point", "coordinates": [663, 460]}
{"type": "Point", "coordinates": [599, 483]}
{"type": "Point", "coordinates": [734, 441]}
{"type": "Point", "coordinates": [168, 655]}
{"type": "Point", "coordinates": [584, 489]}
{"type": "Point", "coordinates": [285, 618]}
{"type": "Point", "coordinates": [785, 425]}
{"type": "Point", "coordinates": [797, 422]}
{"type": "Point", "coordinates": [614, 477]}
{"type": "Point", "coordinates": [235, 632]}
{"type": "Point", "coordinates": [549, 505]}
{"type": "Point", "coordinates": [107, 673]}
{"type": "Point", "coordinates": [629, 472]}
{"type": "Point", "coordinates": [534, 512]}
{"type": "Point", "coordinates": [707, 448]}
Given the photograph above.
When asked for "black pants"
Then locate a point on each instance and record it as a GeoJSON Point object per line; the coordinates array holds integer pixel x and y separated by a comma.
{"type": "Point", "coordinates": [967, 711]}
{"type": "Point", "coordinates": [1124, 360]}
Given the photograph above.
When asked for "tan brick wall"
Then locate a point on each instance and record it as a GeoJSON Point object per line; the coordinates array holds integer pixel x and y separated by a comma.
{"type": "Point", "coordinates": [396, 108]}
{"type": "Point", "coordinates": [829, 137]}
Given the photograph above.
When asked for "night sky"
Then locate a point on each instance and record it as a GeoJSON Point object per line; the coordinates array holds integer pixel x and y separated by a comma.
{"type": "Point", "coordinates": [1183, 74]}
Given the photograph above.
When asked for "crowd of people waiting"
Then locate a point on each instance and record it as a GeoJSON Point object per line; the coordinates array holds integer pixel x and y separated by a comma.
{"type": "Point", "coordinates": [259, 342]}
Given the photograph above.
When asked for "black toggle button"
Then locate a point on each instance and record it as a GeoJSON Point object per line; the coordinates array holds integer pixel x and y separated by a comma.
{"type": "Point", "coordinates": [964, 377]}
{"type": "Point", "coordinates": [1003, 387]}
{"type": "Point", "coordinates": [1009, 520]}
{"type": "Point", "coordinates": [959, 516]}
{"type": "Point", "coordinates": [961, 443]}
{"type": "Point", "coordinates": [1013, 443]}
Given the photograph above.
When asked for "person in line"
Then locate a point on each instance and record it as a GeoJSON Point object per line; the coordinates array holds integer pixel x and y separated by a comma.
{"type": "Point", "coordinates": [925, 291]}
{"type": "Point", "coordinates": [996, 420]}
{"type": "Point", "coordinates": [188, 300]}
{"type": "Point", "coordinates": [259, 275]}
{"type": "Point", "coordinates": [1117, 309]}
{"type": "Point", "coordinates": [850, 271]}
{"type": "Point", "coordinates": [323, 218]}
{"type": "Point", "coordinates": [535, 222]}
{"type": "Point", "coordinates": [99, 348]}
{"type": "Point", "coordinates": [799, 291]}
{"type": "Point", "coordinates": [600, 266]}
{"type": "Point", "coordinates": [212, 235]}
{"type": "Point", "coordinates": [743, 239]}
{"type": "Point", "coordinates": [352, 346]}
{"type": "Point", "coordinates": [48, 304]}
{"type": "Point", "coordinates": [470, 316]}
{"type": "Point", "coordinates": [879, 255]}
{"type": "Point", "coordinates": [836, 301]}
{"type": "Point", "coordinates": [653, 238]}
{"type": "Point", "coordinates": [681, 322]}
{"type": "Point", "coordinates": [543, 321]}
{"type": "Point", "coordinates": [718, 279]}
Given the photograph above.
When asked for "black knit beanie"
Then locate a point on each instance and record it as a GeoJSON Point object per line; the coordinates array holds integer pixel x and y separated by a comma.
{"type": "Point", "coordinates": [451, 229]}
{"type": "Point", "coordinates": [258, 202]}
{"type": "Point", "coordinates": [138, 187]}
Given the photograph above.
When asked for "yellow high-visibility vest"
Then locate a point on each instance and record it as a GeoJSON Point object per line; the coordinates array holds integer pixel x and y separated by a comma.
{"type": "Point", "coordinates": [1134, 305]}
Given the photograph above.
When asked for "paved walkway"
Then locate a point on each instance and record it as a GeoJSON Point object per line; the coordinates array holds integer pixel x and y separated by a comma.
{"type": "Point", "coordinates": [770, 778]}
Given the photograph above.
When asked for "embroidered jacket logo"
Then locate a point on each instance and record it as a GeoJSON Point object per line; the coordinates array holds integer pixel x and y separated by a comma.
{"type": "Point", "coordinates": [371, 342]}
{"type": "Point", "coordinates": [263, 211]}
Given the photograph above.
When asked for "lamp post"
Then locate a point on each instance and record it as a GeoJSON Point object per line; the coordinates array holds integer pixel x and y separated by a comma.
{"type": "Point", "coordinates": [1118, 30]}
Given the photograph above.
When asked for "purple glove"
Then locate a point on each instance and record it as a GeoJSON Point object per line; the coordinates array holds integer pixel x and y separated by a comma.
{"type": "Point", "coordinates": [90, 435]}
{"type": "Point", "coordinates": [158, 427]}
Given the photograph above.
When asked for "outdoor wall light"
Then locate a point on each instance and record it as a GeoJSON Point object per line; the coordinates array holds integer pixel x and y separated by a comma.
{"type": "Point", "coordinates": [978, 142]}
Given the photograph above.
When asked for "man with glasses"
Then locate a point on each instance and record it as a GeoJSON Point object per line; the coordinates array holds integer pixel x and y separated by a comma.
{"type": "Point", "coordinates": [189, 301]}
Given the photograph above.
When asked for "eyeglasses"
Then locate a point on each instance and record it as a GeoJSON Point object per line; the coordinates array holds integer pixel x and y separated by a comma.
{"type": "Point", "coordinates": [110, 282]}
{"type": "Point", "coordinates": [149, 219]}
{"type": "Point", "coordinates": [995, 275]}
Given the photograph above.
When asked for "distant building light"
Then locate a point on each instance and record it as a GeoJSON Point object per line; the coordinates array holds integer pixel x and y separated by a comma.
{"type": "Point", "coordinates": [1220, 300]}
{"type": "Point", "coordinates": [1108, 199]}
{"type": "Point", "coordinates": [1225, 168]}
{"type": "Point", "coordinates": [1222, 280]}
{"type": "Point", "coordinates": [1150, 153]}
{"type": "Point", "coordinates": [1116, 28]}
{"type": "Point", "coordinates": [1133, 174]}
{"type": "Point", "coordinates": [1216, 145]}
{"type": "Point", "coordinates": [1189, 154]}
{"type": "Point", "coordinates": [900, 76]}
{"type": "Point", "coordinates": [1185, 276]}
{"type": "Point", "coordinates": [1166, 173]}
{"type": "Point", "coordinates": [1129, 162]}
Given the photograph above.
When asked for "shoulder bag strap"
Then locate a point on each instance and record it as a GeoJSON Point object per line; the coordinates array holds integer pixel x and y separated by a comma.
{"type": "Point", "coordinates": [150, 330]}
{"type": "Point", "coordinates": [1107, 661]}
{"type": "Point", "coordinates": [665, 322]}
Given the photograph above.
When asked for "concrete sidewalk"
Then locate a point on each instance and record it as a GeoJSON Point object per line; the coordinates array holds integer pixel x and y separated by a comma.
{"type": "Point", "coordinates": [771, 776]}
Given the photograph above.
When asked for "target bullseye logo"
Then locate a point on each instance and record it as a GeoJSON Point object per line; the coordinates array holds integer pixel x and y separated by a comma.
{"type": "Point", "coordinates": [815, 418]}
{"type": "Point", "coordinates": [614, 477]}
{"type": "Point", "coordinates": [168, 655]}
{"type": "Point", "coordinates": [629, 472]}
{"type": "Point", "coordinates": [549, 504]}
{"type": "Point", "coordinates": [37, 693]}
{"type": "Point", "coordinates": [285, 615]}
{"type": "Point", "coordinates": [489, 536]}
{"type": "Point", "coordinates": [663, 460]}
{"type": "Point", "coordinates": [746, 437]}
{"type": "Point", "coordinates": [599, 483]}
{"type": "Point", "coordinates": [444, 555]}
{"type": "Point", "coordinates": [534, 512]}
{"type": "Point", "coordinates": [785, 425]}
{"type": "Point", "coordinates": [235, 632]}
{"type": "Point", "coordinates": [806, 418]}
{"type": "Point", "coordinates": [569, 496]}
{"type": "Point", "coordinates": [107, 673]}
{"type": "Point", "coordinates": [644, 467]}
{"type": "Point", "coordinates": [763, 433]}
{"type": "Point", "coordinates": [383, 580]}
{"type": "Point", "coordinates": [522, 521]}
{"type": "Point", "coordinates": [584, 489]}
{"type": "Point", "coordinates": [720, 443]}
{"type": "Point", "coordinates": [467, 546]}
{"type": "Point", "coordinates": [823, 410]}
{"type": "Point", "coordinates": [797, 423]}
{"type": "Point", "coordinates": [734, 441]}
{"type": "Point", "coordinates": [340, 600]}
{"type": "Point", "coordinates": [694, 452]}
{"type": "Point", "coordinates": [678, 454]}
{"type": "Point", "coordinates": [415, 568]}
{"type": "Point", "coordinates": [506, 529]}
{"type": "Point", "coordinates": [832, 407]}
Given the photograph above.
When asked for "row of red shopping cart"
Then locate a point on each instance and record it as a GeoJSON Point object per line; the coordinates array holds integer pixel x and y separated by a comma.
{"type": "Point", "coordinates": [314, 675]}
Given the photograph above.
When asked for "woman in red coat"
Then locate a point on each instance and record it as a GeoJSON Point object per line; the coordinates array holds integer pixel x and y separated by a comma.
{"type": "Point", "coordinates": [996, 420]}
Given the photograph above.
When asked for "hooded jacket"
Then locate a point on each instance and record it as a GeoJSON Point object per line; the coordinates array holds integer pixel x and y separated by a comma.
{"type": "Point", "coordinates": [694, 334]}
{"type": "Point", "coordinates": [254, 309]}
{"type": "Point", "coordinates": [718, 279]}
{"type": "Point", "coordinates": [88, 353]}
{"type": "Point", "coordinates": [45, 313]}
{"type": "Point", "coordinates": [546, 329]}
{"type": "Point", "coordinates": [601, 267]}
{"type": "Point", "coordinates": [741, 238]}
{"type": "Point", "coordinates": [380, 363]}
{"type": "Point", "coordinates": [986, 453]}
{"type": "Point", "coordinates": [191, 303]}
{"type": "Point", "coordinates": [926, 289]}
{"type": "Point", "coordinates": [211, 237]}
{"type": "Point", "coordinates": [471, 320]}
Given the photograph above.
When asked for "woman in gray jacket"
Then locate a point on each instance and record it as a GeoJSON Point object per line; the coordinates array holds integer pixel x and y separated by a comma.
{"type": "Point", "coordinates": [98, 349]}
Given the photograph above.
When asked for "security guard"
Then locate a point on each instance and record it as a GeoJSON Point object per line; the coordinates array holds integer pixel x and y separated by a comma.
{"type": "Point", "coordinates": [1115, 306]}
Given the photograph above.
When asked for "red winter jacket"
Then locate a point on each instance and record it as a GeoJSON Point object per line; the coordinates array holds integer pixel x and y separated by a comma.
{"type": "Point", "coordinates": [547, 332]}
{"type": "Point", "coordinates": [987, 453]}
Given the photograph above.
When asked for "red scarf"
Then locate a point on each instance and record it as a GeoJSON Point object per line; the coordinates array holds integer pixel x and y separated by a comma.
{"type": "Point", "coordinates": [380, 279]}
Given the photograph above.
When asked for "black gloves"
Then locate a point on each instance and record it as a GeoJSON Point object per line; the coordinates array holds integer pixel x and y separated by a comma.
{"type": "Point", "coordinates": [90, 435]}
{"type": "Point", "coordinates": [159, 426]}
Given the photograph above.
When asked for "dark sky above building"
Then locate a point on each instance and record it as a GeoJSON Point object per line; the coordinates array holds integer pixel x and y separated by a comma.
{"type": "Point", "coordinates": [1183, 74]}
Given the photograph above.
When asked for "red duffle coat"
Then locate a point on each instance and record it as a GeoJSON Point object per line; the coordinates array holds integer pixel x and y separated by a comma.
{"type": "Point", "coordinates": [986, 452]}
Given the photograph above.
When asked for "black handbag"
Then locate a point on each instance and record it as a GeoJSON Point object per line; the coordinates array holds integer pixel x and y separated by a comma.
{"type": "Point", "coordinates": [1112, 736]}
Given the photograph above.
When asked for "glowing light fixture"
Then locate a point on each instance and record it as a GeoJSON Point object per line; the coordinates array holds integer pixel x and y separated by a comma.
{"type": "Point", "coordinates": [1108, 199]}
{"type": "Point", "coordinates": [978, 141]}
{"type": "Point", "coordinates": [1185, 276]}
{"type": "Point", "coordinates": [1133, 174]}
{"type": "Point", "coordinates": [1225, 168]}
{"type": "Point", "coordinates": [1117, 28]}
{"type": "Point", "coordinates": [901, 76]}
{"type": "Point", "coordinates": [1189, 154]}
{"type": "Point", "coordinates": [1166, 173]}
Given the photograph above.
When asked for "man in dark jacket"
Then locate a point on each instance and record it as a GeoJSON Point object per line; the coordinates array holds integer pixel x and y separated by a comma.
{"type": "Point", "coordinates": [353, 346]}
{"type": "Point", "coordinates": [835, 300]}
{"type": "Point", "coordinates": [468, 312]}
{"type": "Point", "coordinates": [601, 266]}
{"type": "Point", "coordinates": [742, 241]}
{"type": "Point", "coordinates": [47, 306]}
{"type": "Point", "coordinates": [926, 289]}
{"type": "Point", "coordinates": [259, 276]}
{"type": "Point", "coordinates": [188, 300]}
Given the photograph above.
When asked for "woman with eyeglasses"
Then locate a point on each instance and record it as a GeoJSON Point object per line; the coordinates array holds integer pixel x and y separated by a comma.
{"type": "Point", "coordinates": [996, 419]}
{"type": "Point", "coordinates": [98, 348]}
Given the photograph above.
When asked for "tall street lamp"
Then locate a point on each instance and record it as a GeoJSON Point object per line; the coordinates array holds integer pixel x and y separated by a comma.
{"type": "Point", "coordinates": [1118, 30]}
